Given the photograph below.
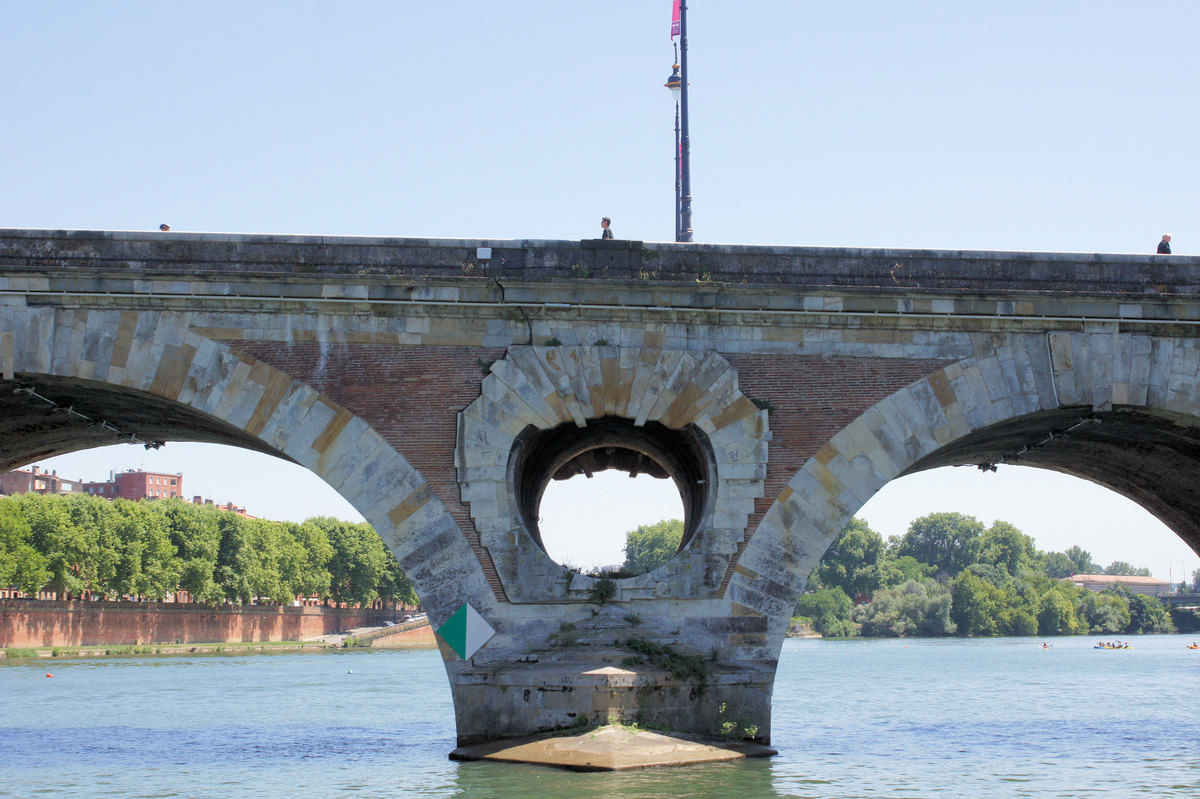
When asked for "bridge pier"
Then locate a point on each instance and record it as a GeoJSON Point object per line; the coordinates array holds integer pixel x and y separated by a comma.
{"type": "Point", "coordinates": [501, 701]}
{"type": "Point", "coordinates": [664, 650]}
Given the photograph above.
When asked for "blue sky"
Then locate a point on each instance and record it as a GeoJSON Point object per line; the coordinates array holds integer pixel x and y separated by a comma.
{"type": "Point", "coordinates": [1033, 126]}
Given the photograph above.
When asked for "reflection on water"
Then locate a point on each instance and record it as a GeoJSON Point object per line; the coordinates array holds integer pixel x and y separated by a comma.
{"type": "Point", "coordinates": [998, 718]}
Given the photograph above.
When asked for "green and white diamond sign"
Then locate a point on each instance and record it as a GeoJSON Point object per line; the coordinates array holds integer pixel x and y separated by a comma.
{"type": "Point", "coordinates": [466, 631]}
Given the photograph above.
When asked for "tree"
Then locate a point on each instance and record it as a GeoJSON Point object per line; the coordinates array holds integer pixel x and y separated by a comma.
{"type": "Point", "coordinates": [949, 541]}
{"type": "Point", "coordinates": [897, 571]}
{"type": "Point", "coordinates": [1081, 560]}
{"type": "Point", "coordinates": [359, 560]}
{"type": "Point", "coordinates": [21, 565]}
{"type": "Point", "coordinates": [1057, 565]}
{"type": "Point", "coordinates": [914, 608]}
{"type": "Point", "coordinates": [235, 559]}
{"type": "Point", "coordinates": [976, 605]}
{"type": "Point", "coordinates": [313, 577]}
{"type": "Point", "coordinates": [138, 549]}
{"type": "Point", "coordinates": [1148, 615]}
{"type": "Point", "coordinates": [197, 538]}
{"type": "Point", "coordinates": [96, 520]}
{"type": "Point", "coordinates": [830, 609]}
{"type": "Point", "coordinates": [1105, 612]}
{"type": "Point", "coordinates": [66, 548]}
{"type": "Point", "coordinates": [996, 575]}
{"type": "Point", "coordinates": [1056, 611]}
{"type": "Point", "coordinates": [852, 562]}
{"type": "Point", "coordinates": [652, 545]}
{"type": "Point", "coordinates": [1021, 605]}
{"type": "Point", "coordinates": [1120, 567]}
{"type": "Point", "coordinates": [148, 565]}
{"type": "Point", "coordinates": [1005, 546]}
{"type": "Point", "coordinates": [274, 560]}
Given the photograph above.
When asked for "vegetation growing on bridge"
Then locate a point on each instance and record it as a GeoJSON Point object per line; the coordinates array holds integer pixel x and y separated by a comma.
{"type": "Point", "coordinates": [70, 545]}
{"type": "Point", "coordinates": [666, 657]}
{"type": "Point", "coordinates": [948, 575]}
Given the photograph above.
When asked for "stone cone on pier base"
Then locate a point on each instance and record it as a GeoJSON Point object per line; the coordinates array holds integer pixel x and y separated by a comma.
{"type": "Point", "coordinates": [612, 747]}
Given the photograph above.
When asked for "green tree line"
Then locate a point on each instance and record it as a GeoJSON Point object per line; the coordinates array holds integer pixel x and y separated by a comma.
{"type": "Point", "coordinates": [949, 575]}
{"type": "Point", "coordinates": [79, 543]}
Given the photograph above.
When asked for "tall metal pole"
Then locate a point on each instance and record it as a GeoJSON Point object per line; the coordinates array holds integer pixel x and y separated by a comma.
{"type": "Point", "coordinates": [678, 179]}
{"type": "Point", "coordinates": [685, 167]}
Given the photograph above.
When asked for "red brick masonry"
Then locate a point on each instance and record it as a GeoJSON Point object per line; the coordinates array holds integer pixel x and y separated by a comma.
{"type": "Point", "coordinates": [31, 624]}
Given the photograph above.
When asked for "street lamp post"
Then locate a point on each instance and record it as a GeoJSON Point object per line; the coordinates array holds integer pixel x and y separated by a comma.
{"type": "Point", "coordinates": [678, 85]}
{"type": "Point", "coordinates": [673, 83]}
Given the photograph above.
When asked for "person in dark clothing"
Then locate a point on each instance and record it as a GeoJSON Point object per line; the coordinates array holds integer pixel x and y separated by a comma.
{"type": "Point", "coordinates": [604, 223]}
{"type": "Point", "coordinates": [1164, 246]}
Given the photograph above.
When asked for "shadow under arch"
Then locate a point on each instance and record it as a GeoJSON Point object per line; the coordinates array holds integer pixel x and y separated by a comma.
{"type": "Point", "coordinates": [1121, 430]}
{"type": "Point", "coordinates": [1145, 456]}
{"type": "Point", "coordinates": [43, 416]}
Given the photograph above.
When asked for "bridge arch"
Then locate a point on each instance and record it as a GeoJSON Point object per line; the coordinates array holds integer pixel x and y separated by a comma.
{"type": "Point", "coordinates": [1120, 410]}
{"type": "Point", "coordinates": [74, 380]}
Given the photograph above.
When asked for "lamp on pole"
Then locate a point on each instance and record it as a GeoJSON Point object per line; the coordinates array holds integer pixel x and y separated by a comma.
{"type": "Point", "coordinates": [678, 85]}
{"type": "Point", "coordinates": [674, 83]}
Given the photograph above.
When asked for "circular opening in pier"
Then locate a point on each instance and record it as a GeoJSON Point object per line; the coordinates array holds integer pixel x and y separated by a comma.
{"type": "Point", "coordinates": [584, 527]}
{"type": "Point", "coordinates": [578, 518]}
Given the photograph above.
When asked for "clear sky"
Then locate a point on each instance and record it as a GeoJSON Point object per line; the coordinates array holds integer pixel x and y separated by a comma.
{"type": "Point", "coordinates": [1031, 126]}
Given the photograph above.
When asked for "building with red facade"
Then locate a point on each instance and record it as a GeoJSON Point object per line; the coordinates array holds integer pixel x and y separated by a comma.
{"type": "Point", "coordinates": [132, 484]}
{"type": "Point", "coordinates": [36, 481]}
{"type": "Point", "coordinates": [136, 484]}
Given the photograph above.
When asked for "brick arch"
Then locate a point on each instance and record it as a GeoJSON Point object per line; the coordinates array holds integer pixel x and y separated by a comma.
{"type": "Point", "coordinates": [1073, 402]}
{"type": "Point", "coordinates": [157, 360]}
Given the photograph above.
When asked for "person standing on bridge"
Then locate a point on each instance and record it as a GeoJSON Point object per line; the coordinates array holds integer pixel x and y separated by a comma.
{"type": "Point", "coordinates": [604, 225]}
{"type": "Point", "coordinates": [1164, 246]}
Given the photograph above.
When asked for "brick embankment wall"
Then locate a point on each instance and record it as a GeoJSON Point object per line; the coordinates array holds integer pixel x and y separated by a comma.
{"type": "Point", "coordinates": [398, 638]}
{"type": "Point", "coordinates": [50, 624]}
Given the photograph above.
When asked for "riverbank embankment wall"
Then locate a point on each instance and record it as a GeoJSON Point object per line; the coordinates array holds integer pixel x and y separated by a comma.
{"type": "Point", "coordinates": [25, 623]}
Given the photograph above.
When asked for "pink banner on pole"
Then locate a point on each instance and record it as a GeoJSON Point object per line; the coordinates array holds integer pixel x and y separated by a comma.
{"type": "Point", "coordinates": [675, 19]}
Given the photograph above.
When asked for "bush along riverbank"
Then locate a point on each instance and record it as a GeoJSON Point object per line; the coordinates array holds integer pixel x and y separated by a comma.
{"type": "Point", "coordinates": [949, 575]}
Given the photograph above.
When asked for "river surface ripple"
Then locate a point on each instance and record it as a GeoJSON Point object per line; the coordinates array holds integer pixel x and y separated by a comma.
{"type": "Point", "coordinates": [916, 718]}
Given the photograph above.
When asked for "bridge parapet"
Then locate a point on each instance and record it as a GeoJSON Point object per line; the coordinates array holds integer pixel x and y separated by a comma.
{"type": "Point", "coordinates": [907, 271]}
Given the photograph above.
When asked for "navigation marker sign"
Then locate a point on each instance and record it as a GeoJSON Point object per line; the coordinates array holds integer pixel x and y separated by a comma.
{"type": "Point", "coordinates": [466, 631]}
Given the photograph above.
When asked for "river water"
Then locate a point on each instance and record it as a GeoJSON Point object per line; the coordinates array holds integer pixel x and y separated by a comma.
{"type": "Point", "coordinates": [917, 718]}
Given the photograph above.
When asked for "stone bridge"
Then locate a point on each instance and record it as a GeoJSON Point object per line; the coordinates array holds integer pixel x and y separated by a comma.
{"type": "Point", "coordinates": [439, 385]}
